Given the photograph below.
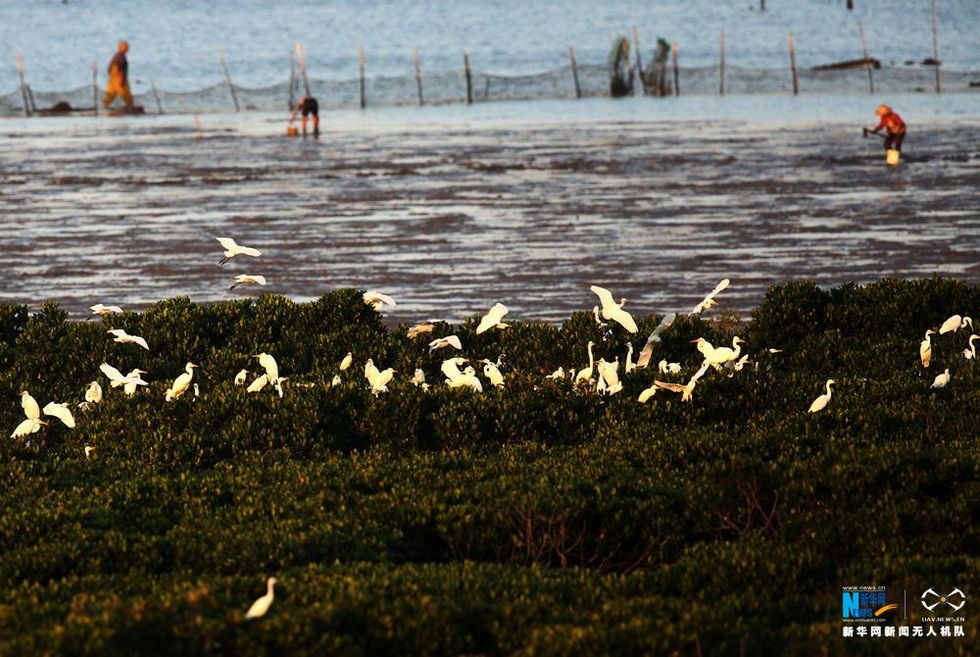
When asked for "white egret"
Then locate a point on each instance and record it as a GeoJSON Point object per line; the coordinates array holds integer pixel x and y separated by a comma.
{"type": "Point", "coordinates": [722, 355]}
{"type": "Point", "coordinates": [595, 314]}
{"type": "Point", "coordinates": [125, 338]}
{"type": "Point", "coordinates": [492, 372]}
{"type": "Point", "coordinates": [585, 374]}
{"type": "Point", "coordinates": [773, 350]}
{"type": "Point", "coordinates": [557, 374]}
{"type": "Point", "coordinates": [335, 381]}
{"type": "Point", "coordinates": [709, 300]}
{"type": "Point", "coordinates": [492, 319]}
{"type": "Point", "coordinates": [233, 249]}
{"type": "Point", "coordinates": [450, 367]}
{"type": "Point", "coordinates": [102, 311]}
{"type": "Point", "coordinates": [269, 364]}
{"type": "Point", "coordinates": [955, 323]}
{"type": "Point", "coordinates": [647, 352]}
{"type": "Point", "coordinates": [466, 380]}
{"type": "Point", "coordinates": [88, 450]}
{"type": "Point", "coordinates": [668, 368]}
{"type": "Point", "coordinates": [197, 390]}
{"type": "Point", "coordinates": [93, 394]}
{"type": "Point", "coordinates": [116, 377]}
{"type": "Point", "coordinates": [609, 371]}
{"type": "Point", "coordinates": [647, 394]}
{"type": "Point", "coordinates": [377, 300]}
{"type": "Point", "coordinates": [687, 390]}
{"type": "Point", "coordinates": [614, 311]}
{"type": "Point", "coordinates": [418, 378]}
{"type": "Point", "coordinates": [278, 386]}
{"type": "Point", "coordinates": [630, 365]}
{"type": "Point", "coordinates": [261, 606]}
{"type": "Point", "coordinates": [260, 382]}
{"type": "Point", "coordinates": [821, 402]}
{"type": "Point", "coordinates": [240, 377]}
{"type": "Point", "coordinates": [419, 329]}
{"type": "Point", "coordinates": [704, 347]}
{"type": "Point", "coordinates": [381, 380]}
{"type": "Point", "coordinates": [181, 383]}
{"type": "Point", "coordinates": [132, 380]}
{"type": "Point", "coordinates": [247, 279]}
{"type": "Point", "coordinates": [346, 362]}
{"type": "Point", "coordinates": [27, 427]}
{"type": "Point", "coordinates": [29, 404]}
{"type": "Point", "coordinates": [739, 364]}
{"type": "Point", "coordinates": [448, 341]}
{"type": "Point", "coordinates": [925, 349]}
{"type": "Point", "coordinates": [970, 352]}
{"type": "Point", "coordinates": [61, 412]}
{"type": "Point", "coordinates": [941, 380]}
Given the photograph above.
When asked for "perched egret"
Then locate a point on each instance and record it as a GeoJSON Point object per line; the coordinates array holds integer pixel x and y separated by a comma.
{"type": "Point", "coordinates": [668, 368]}
{"type": "Point", "coordinates": [647, 394]}
{"type": "Point", "coordinates": [704, 347]}
{"type": "Point", "coordinates": [197, 390]}
{"type": "Point", "coordinates": [585, 374]}
{"type": "Point", "coordinates": [381, 380]}
{"type": "Point", "coordinates": [181, 383]}
{"type": "Point", "coordinates": [630, 365]}
{"type": "Point", "coordinates": [609, 372]}
{"type": "Point", "coordinates": [269, 364]}
{"type": "Point", "coordinates": [450, 367]}
{"type": "Point", "coordinates": [821, 402]}
{"type": "Point", "coordinates": [466, 380]}
{"type": "Point", "coordinates": [941, 380]}
{"type": "Point", "coordinates": [492, 319]}
{"type": "Point", "coordinates": [687, 390]}
{"type": "Point", "coordinates": [492, 372]}
{"type": "Point", "coordinates": [722, 355]}
{"type": "Point", "coordinates": [377, 300]}
{"type": "Point", "coordinates": [247, 279]}
{"type": "Point", "coordinates": [132, 380]}
{"type": "Point", "coordinates": [125, 338]}
{"type": "Point", "coordinates": [93, 394]}
{"type": "Point", "coordinates": [261, 606]}
{"type": "Point", "coordinates": [970, 352]}
{"type": "Point", "coordinates": [346, 362]}
{"type": "Point", "coordinates": [116, 377]}
{"type": "Point", "coordinates": [61, 412]}
{"type": "Point", "coordinates": [418, 378]}
{"type": "Point", "coordinates": [233, 249]}
{"type": "Point", "coordinates": [448, 341]}
{"type": "Point", "coordinates": [647, 352]}
{"type": "Point", "coordinates": [240, 377]}
{"type": "Point", "coordinates": [955, 323]}
{"type": "Point", "coordinates": [29, 404]}
{"type": "Point", "coordinates": [101, 311]}
{"type": "Point", "coordinates": [773, 350]}
{"type": "Point", "coordinates": [557, 374]}
{"type": "Point", "coordinates": [419, 329]}
{"type": "Point", "coordinates": [709, 300]}
{"type": "Point", "coordinates": [335, 381]}
{"type": "Point", "coordinates": [739, 364]}
{"type": "Point", "coordinates": [278, 386]}
{"type": "Point", "coordinates": [925, 349]}
{"type": "Point", "coordinates": [27, 427]}
{"type": "Point", "coordinates": [614, 311]}
{"type": "Point", "coordinates": [259, 383]}
{"type": "Point", "coordinates": [88, 450]}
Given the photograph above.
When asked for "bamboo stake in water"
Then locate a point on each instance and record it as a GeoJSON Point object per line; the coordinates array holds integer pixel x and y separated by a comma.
{"type": "Point", "coordinates": [677, 77]}
{"type": "Point", "coordinates": [469, 79]}
{"type": "Point", "coordinates": [418, 75]}
{"type": "Point", "coordinates": [721, 72]}
{"type": "Point", "coordinates": [302, 67]}
{"type": "Point", "coordinates": [792, 64]}
{"type": "Point", "coordinates": [95, 88]}
{"type": "Point", "coordinates": [571, 58]}
{"type": "Point", "coordinates": [639, 62]}
{"type": "Point", "coordinates": [23, 85]}
{"type": "Point", "coordinates": [231, 86]}
{"type": "Point", "coordinates": [935, 44]}
{"type": "Point", "coordinates": [156, 96]}
{"type": "Point", "coordinates": [867, 64]}
{"type": "Point", "coordinates": [360, 65]}
{"type": "Point", "coordinates": [292, 80]}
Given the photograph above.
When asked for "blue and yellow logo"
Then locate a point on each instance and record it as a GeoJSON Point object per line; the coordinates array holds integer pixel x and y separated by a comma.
{"type": "Point", "coordinates": [865, 604]}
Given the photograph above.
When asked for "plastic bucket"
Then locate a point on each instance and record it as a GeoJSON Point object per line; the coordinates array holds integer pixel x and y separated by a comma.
{"type": "Point", "coordinates": [293, 131]}
{"type": "Point", "coordinates": [893, 157]}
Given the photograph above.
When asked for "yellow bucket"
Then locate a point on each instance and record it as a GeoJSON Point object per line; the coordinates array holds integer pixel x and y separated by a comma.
{"type": "Point", "coordinates": [893, 156]}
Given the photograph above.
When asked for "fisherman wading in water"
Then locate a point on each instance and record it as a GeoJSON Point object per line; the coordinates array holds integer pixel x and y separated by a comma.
{"type": "Point", "coordinates": [894, 127]}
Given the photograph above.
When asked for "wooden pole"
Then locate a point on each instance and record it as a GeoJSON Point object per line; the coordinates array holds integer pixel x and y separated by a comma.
{"type": "Point", "coordinates": [935, 44]}
{"type": "Point", "coordinates": [469, 79]}
{"type": "Point", "coordinates": [721, 71]}
{"type": "Point", "coordinates": [95, 88]}
{"type": "Point", "coordinates": [792, 65]}
{"type": "Point", "coordinates": [762, 5]}
{"type": "Point", "coordinates": [302, 67]}
{"type": "Point", "coordinates": [23, 85]}
{"type": "Point", "coordinates": [867, 64]}
{"type": "Point", "coordinates": [360, 65]}
{"type": "Point", "coordinates": [418, 75]}
{"type": "Point", "coordinates": [30, 96]}
{"type": "Point", "coordinates": [231, 86]}
{"type": "Point", "coordinates": [639, 62]}
{"type": "Point", "coordinates": [571, 58]}
{"type": "Point", "coordinates": [677, 77]}
{"type": "Point", "coordinates": [156, 96]}
{"type": "Point", "coordinates": [292, 80]}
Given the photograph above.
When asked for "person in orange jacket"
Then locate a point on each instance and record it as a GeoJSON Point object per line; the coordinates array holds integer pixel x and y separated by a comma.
{"type": "Point", "coordinates": [893, 125]}
{"type": "Point", "coordinates": [118, 78]}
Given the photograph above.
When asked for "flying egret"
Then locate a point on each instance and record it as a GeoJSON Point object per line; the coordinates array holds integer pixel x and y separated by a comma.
{"type": "Point", "coordinates": [668, 368]}
{"type": "Point", "coordinates": [27, 427]}
{"type": "Point", "coordinates": [247, 279]}
{"type": "Point", "coordinates": [347, 360]}
{"type": "Point", "coordinates": [492, 319]}
{"type": "Point", "coordinates": [240, 377]}
{"type": "Point", "coordinates": [61, 412]}
{"type": "Point", "coordinates": [269, 364]}
{"type": "Point", "coordinates": [448, 341]}
{"type": "Point", "coordinates": [259, 383]}
{"type": "Point", "coordinates": [29, 404]}
{"type": "Point", "coordinates": [925, 349]}
{"type": "Point", "coordinates": [93, 394]}
{"type": "Point", "coordinates": [101, 311]}
{"type": "Point", "coordinates": [821, 402]}
{"type": "Point", "coordinates": [709, 300]}
{"type": "Point", "coordinates": [647, 352]}
{"type": "Point", "coordinates": [614, 311]}
{"type": "Point", "coordinates": [181, 383]}
{"type": "Point", "coordinates": [722, 355]}
{"type": "Point", "coordinates": [116, 377]}
{"type": "Point", "coordinates": [132, 380]}
{"type": "Point", "coordinates": [377, 300]}
{"type": "Point", "coordinates": [585, 374]}
{"type": "Point", "coordinates": [419, 329]}
{"type": "Point", "coordinates": [125, 338]}
{"type": "Point", "coordinates": [941, 380]}
{"type": "Point", "coordinates": [955, 323]}
{"type": "Point", "coordinates": [233, 249]}
{"type": "Point", "coordinates": [492, 372]}
{"type": "Point", "coordinates": [630, 365]}
{"type": "Point", "coordinates": [971, 351]}
{"type": "Point", "coordinates": [261, 606]}
{"type": "Point", "coordinates": [647, 394]}
{"type": "Point", "coordinates": [687, 390]}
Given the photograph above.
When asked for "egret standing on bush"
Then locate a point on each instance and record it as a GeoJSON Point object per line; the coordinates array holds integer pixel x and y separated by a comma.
{"type": "Point", "coordinates": [181, 383]}
{"type": "Point", "coordinates": [269, 364]}
{"type": "Point", "coordinates": [941, 381]}
{"type": "Point", "coordinates": [261, 606]}
{"type": "Point", "coordinates": [821, 402]}
{"type": "Point", "coordinates": [925, 349]}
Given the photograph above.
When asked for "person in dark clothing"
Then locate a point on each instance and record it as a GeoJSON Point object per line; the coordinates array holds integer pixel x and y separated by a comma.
{"type": "Point", "coordinates": [118, 78]}
{"type": "Point", "coordinates": [308, 106]}
{"type": "Point", "coordinates": [893, 125]}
